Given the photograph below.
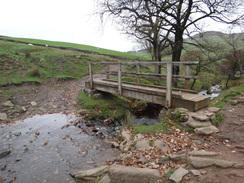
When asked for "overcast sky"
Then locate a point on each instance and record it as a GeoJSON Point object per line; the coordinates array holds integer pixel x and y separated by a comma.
{"type": "Point", "coordinates": [60, 20]}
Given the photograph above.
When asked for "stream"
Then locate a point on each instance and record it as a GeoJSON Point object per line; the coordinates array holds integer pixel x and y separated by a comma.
{"type": "Point", "coordinates": [47, 148]}
{"type": "Point", "coordinates": [214, 92]}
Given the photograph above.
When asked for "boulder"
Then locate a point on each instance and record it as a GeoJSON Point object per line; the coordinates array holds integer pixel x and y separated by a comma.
{"type": "Point", "coordinates": [3, 117]}
{"type": "Point", "coordinates": [206, 130]}
{"type": "Point", "coordinates": [178, 175]}
{"type": "Point", "coordinates": [123, 174]}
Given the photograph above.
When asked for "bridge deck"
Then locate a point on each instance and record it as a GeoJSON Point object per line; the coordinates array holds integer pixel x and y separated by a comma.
{"type": "Point", "coordinates": [154, 94]}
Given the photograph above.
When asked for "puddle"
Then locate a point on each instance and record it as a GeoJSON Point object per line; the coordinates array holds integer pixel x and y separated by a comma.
{"type": "Point", "coordinates": [47, 148]}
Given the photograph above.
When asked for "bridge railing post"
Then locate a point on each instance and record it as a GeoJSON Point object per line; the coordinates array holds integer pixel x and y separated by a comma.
{"type": "Point", "coordinates": [119, 79]}
{"type": "Point", "coordinates": [107, 71]}
{"type": "Point", "coordinates": [91, 75]}
{"type": "Point", "coordinates": [187, 80]}
{"type": "Point", "coordinates": [169, 84]}
{"type": "Point", "coordinates": [137, 73]}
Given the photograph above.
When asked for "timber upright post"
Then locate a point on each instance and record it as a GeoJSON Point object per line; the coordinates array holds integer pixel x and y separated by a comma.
{"type": "Point", "coordinates": [91, 75]}
{"type": "Point", "coordinates": [137, 73]}
{"type": "Point", "coordinates": [119, 79]}
{"type": "Point", "coordinates": [187, 80]}
{"type": "Point", "coordinates": [169, 84]}
{"type": "Point", "coordinates": [107, 71]}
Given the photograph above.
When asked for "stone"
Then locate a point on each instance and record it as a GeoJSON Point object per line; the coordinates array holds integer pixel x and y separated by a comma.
{"type": "Point", "coordinates": [160, 145]}
{"type": "Point", "coordinates": [213, 109]}
{"type": "Point", "coordinates": [125, 135]}
{"type": "Point", "coordinates": [238, 165]}
{"type": "Point", "coordinates": [23, 109]}
{"type": "Point", "coordinates": [200, 117]}
{"type": "Point", "coordinates": [203, 153]}
{"type": "Point", "coordinates": [3, 117]}
{"type": "Point", "coordinates": [7, 104]}
{"type": "Point", "coordinates": [4, 153]}
{"type": "Point", "coordinates": [178, 175]}
{"type": "Point", "coordinates": [90, 175]}
{"type": "Point", "coordinates": [206, 130]}
{"type": "Point", "coordinates": [123, 174]}
{"type": "Point", "coordinates": [114, 144]}
{"type": "Point", "coordinates": [179, 114]}
{"type": "Point", "coordinates": [17, 133]}
{"type": "Point", "coordinates": [234, 102]}
{"type": "Point", "coordinates": [195, 172]}
{"type": "Point", "coordinates": [34, 104]}
{"type": "Point", "coordinates": [143, 145]}
{"type": "Point", "coordinates": [82, 112]}
{"type": "Point", "coordinates": [198, 162]}
{"type": "Point", "coordinates": [195, 124]}
{"type": "Point", "coordinates": [105, 179]}
{"type": "Point", "coordinates": [178, 157]}
{"type": "Point", "coordinates": [124, 157]}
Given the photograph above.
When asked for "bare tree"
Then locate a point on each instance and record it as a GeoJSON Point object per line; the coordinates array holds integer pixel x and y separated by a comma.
{"type": "Point", "coordinates": [158, 20]}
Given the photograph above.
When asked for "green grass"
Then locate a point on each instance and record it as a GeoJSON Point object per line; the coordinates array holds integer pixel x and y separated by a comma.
{"type": "Point", "coordinates": [6, 94]}
{"type": "Point", "coordinates": [106, 107]}
{"type": "Point", "coordinates": [164, 126]}
{"type": "Point", "coordinates": [22, 63]}
{"type": "Point", "coordinates": [226, 96]}
{"type": "Point", "coordinates": [76, 46]}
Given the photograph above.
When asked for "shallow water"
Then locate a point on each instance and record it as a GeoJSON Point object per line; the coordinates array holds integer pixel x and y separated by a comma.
{"type": "Point", "coordinates": [214, 92]}
{"type": "Point", "coordinates": [46, 148]}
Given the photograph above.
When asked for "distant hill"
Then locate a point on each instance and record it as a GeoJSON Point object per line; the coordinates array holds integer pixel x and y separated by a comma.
{"type": "Point", "coordinates": [215, 37]}
{"type": "Point", "coordinates": [74, 46]}
{"type": "Point", "coordinates": [210, 37]}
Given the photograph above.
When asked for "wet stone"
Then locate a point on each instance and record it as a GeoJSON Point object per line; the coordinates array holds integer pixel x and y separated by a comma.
{"type": "Point", "coordinates": [4, 153]}
{"type": "Point", "coordinates": [17, 133]}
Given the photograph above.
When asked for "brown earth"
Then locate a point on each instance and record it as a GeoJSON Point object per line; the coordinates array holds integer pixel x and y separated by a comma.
{"type": "Point", "coordinates": [61, 96]}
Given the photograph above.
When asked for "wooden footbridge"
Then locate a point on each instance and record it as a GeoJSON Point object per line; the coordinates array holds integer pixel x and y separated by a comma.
{"type": "Point", "coordinates": [163, 95]}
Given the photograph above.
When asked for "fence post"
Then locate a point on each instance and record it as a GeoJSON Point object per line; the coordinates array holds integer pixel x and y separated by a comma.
{"type": "Point", "coordinates": [169, 84]}
{"type": "Point", "coordinates": [107, 71]}
{"type": "Point", "coordinates": [91, 75]}
{"type": "Point", "coordinates": [137, 72]}
{"type": "Point", "coordinates": [119, 79]}
{"type": "Point", "coordinates": [187, 80]}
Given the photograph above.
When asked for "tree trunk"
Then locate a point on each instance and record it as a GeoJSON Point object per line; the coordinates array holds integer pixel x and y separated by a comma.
{"type": "Point", "coordinates": [157, 57]}
{"type": "Point", "coordinates": [177, 49]}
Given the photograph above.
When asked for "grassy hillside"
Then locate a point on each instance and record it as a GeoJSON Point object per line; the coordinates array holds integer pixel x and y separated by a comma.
{"type": "Point", "coordinates": [73, 45]}
{"type": "Point", "coordinates": [28, 63]}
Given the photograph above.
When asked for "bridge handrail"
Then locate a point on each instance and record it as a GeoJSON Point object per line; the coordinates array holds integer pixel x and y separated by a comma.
{"type": "Point", "coordinates": [169, 76]}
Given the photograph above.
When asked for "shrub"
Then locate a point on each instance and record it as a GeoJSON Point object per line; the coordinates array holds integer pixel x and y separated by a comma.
{"type": "Point", "coordinates": [35, 72]}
